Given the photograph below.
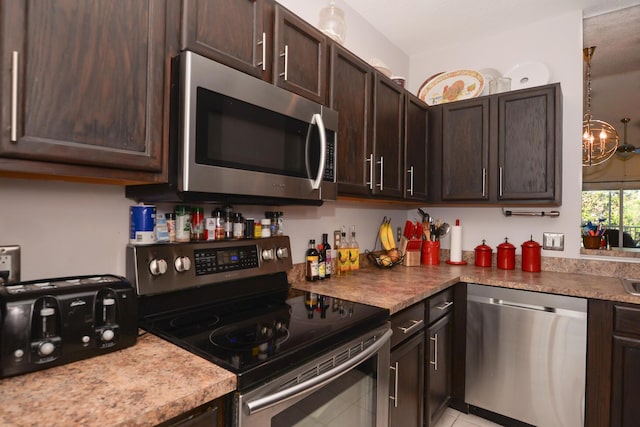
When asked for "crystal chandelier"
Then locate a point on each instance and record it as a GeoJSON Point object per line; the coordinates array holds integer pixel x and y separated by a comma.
{"type": "Point", "coordinates": [599, 138]}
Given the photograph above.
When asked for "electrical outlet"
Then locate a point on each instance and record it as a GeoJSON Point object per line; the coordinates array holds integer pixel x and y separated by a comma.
{"type": "Point", "coordinates": [9, 264]}
{"type": "Point", "coordinates": [553, 241]}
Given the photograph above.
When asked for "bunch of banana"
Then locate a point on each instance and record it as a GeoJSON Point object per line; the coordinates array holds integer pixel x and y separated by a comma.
{"type": "Point", "coordinates": [386, 236]}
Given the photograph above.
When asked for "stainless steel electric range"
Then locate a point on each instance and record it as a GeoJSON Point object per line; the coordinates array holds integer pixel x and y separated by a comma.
{"type": "Point", "coordinates": [310, 357]}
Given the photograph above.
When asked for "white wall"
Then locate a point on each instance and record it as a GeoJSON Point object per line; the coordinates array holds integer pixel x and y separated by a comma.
{"type": "Point", "coordinates": [557, 42]}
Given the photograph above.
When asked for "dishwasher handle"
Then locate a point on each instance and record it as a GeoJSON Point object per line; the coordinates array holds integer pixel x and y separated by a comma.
{"type": "Point", "coordinates": [497, 301]}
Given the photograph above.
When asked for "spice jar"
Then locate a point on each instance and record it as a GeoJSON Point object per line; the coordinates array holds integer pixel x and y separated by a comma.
{"type": "Point", "coordinates": [266, 227]}
{"type": "Point", "coordinates": [483, 254]}
{"type": "Point", "coordinates": [531, 256]}
{"type": "Point", "coordinates": [506, 255]}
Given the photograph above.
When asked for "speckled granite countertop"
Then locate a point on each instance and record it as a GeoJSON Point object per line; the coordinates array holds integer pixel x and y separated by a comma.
{"type": "Point", "coordinates": [400, 286]}
{"type": "Point", "coordinates": [142, 385]}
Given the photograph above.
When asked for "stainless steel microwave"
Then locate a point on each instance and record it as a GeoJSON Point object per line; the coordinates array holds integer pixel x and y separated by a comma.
{"type": "Point", "coordinates": [240, 139]}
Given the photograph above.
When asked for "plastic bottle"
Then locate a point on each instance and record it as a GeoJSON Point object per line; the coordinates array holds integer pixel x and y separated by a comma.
{"type": "Point", "coordinates": [326, 248]}
{"type": "Point", "coordinates": [354, 251]}
{"type": "Point", "coordinates": [311, 270]}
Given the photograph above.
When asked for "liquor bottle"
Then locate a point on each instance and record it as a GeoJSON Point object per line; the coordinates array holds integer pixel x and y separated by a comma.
{"type": "Point", "coordinates": [354, 250]}
{"type": "Point", "coordinates": [311, 270]}
{"type": "Point", "coordinates": [326, 248]}
{"type": "Point", "coordinates": [344, 266]}
{"type": "Point", "coordinates": [322, 265]}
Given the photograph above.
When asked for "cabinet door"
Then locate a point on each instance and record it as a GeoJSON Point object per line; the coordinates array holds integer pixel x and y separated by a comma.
{"type": "Point", "coordinates": [232, 32]}
{"type": "Point", "coordinates": [388, 125]}
{"type": "Point", "coordinates": [415, 149]}
{"type": "Point", "coordinates": [625, 410]}
{"type": "Point", "coordinates": [465, 150]}
{"type": "Point", "coordinates": [351, 97]}
{"type": "Point", "coordinates": [300, 58]}
{"type": "Point", "coordinates": [90, 80]}
{"type": "Point", "coordinates": [438, 377]}
{"type": "Point", "coordinates": [406, 384]}
{"type": "Point", "coordinates": [529, 145]}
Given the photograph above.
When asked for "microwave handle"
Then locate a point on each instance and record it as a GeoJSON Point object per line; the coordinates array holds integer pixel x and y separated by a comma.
{"type": "Point", "coordinates": [317, 119]}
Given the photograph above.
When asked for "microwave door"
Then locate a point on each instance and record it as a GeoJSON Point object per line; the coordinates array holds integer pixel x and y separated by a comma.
{"type": "Point", "coordinates": [316, 182]}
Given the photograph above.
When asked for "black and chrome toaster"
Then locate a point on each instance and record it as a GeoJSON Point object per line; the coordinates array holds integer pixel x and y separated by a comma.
{"type": "Point", "coordinates": [46, 323]}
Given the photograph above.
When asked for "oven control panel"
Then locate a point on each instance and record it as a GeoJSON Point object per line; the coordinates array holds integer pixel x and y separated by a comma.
{"type": "Point", "coordinates": [169, 267]}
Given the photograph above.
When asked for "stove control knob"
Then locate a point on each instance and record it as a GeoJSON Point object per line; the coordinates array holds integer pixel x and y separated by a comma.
{"type": "Point", "coordinates": [282, 253]}
{"type": "Point", "coordinates": [107, 335]}
{"type": "Point", "coordinates": [157, 266]}
{"type": "Point", "coordinates": [267, 254]}
{"type": "Point", "coordinates": [46, 348]}
{"type": "Point", "coordinates": [182, 264]}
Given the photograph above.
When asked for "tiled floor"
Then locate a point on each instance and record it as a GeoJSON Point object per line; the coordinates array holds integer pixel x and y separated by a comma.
{"type": "Point", "coordinates": [453, 418]}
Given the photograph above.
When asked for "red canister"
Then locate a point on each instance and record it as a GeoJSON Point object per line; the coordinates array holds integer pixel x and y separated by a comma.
{"type": "Point", "coordinates": [506, 255]}
{"type": "Point", "coordinates": [531, 255]}
{"type": "Point", "coordinates": [483, 255]}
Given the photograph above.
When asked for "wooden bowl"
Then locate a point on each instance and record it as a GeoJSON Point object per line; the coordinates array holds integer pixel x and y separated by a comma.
{"type": "Point", "coordinates": [591, 242]}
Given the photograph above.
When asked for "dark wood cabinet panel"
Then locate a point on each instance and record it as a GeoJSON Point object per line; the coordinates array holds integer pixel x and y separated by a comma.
{"type": "Point", "coordinates": [438, 362]}
{"type": "Point", "coordinates": [599, 350]}
{"type": "Point", "coordinates": [300, 56]}
{"type": "Point", "coordinates": [92, 79]}
{"type": "Point", "coordinates": [465, 150]}
{"type": "Point", "coordinates": [625, 410]}
{"type": "Point", "coordinates": [499, 148]}
{"type": "Point", "coordinates": [388, 122]}
{"type": "Point", "coordinates": [415, 149]}
{"type": "Point", "coordinates": [233, 32]}
{"type": "Point", "coordinates": [351, 92]}
{"type": "Point", "coordinates": [406, 383]}
{"type": "Point", "coordinates": [528, 151]}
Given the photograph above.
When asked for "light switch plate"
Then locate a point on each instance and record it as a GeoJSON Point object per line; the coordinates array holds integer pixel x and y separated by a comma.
{"type": "Point", "coordinates": [9, 264]}
{"type": "Point", "coordinates": [553, 241]}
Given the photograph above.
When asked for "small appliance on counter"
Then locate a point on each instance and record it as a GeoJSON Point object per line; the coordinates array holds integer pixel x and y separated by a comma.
{"type": "Point", "coordinates": [50, 322]}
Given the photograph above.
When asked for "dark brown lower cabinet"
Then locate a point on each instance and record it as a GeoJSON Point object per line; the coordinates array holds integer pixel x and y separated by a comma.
{"type": "Point", "coordinates": [406, 383]}
{"type": "Point", "coordinates": [438, 378]}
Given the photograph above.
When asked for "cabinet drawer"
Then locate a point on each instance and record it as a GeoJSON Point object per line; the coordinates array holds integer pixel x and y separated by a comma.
{"type": "Point", "coordinates": [406, 323]}
{"type": "Point", "coordinates": [439, 305]}
{"type": "Point", "coordinates": [627, 319]}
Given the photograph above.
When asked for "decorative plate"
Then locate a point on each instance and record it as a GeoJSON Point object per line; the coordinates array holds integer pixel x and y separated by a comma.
{"type": "Point", "coordinates": [452, 86]}
{"type": "Point", "coordinates": [528, 74]}
{"type": "Point", "coordinates": [426, 82]}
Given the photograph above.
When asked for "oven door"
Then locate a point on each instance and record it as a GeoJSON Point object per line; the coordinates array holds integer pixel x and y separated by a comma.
{"type": "Point", "coordinates": [345, 386]}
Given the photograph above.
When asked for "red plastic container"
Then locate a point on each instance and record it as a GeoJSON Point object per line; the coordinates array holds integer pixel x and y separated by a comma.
{"type": "Point", "coordinates": [531, 256]}
{"type": "Point", "coordinates": [483, 255]}
{"type": "Point", "coordinates": [506, 255]}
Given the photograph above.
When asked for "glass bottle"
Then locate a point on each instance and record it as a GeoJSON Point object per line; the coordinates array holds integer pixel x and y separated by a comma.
{"type": "Point", "coordinates": [354, 251]}
{"type": "Point", "coordinates": [311, 270]}
{"type": "Point", "coordinates": [322, 265]}
{"type": "Point", "coordinates": [326, 248]}
{"type": "Point", "coordinates": [344, 266]}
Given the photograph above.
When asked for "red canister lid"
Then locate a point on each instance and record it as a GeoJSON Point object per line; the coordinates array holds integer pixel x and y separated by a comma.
{"type": "Point", "coordinates": [483, 247]}
{"type": "Point", "coordinates": [530, 244]}
{"type": "Point", "coordinates": [506, 245]}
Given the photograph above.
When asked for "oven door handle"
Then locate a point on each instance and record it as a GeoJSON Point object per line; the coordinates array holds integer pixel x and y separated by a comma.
{"type": "Point", "coordinates": [316, 382]}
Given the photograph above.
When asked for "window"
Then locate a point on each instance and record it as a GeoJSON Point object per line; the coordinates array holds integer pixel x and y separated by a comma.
{"type": "Point", "coordinates": [618, 210]}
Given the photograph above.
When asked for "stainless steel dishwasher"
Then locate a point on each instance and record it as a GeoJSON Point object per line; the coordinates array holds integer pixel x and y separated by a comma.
{"type": "Point", "coordinates": [526, 355]}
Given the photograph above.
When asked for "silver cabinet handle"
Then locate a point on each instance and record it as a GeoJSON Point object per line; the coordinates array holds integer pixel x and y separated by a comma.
{"type": "Point", "coordinates": [395, 389]}
{"type": "Point", "coordinates": [501, 169]}
{"type": "Point", "coordinates": [484, 182]}
{"type": "Point", "coordinates": [285, 54]}
{"type": "Point", "coordinates": [14, 96]}
{"type": "Point", "coordinates": [435, 352]}
{"type": "Point", "coordinates": [370, 161]}
{"type": "Point", "coordinates": [444, 305]}
{"type": "Point", "coordinates": [381, 163]}
{"type": "Point", "coordinates": [410, 171]}
{"type": "Point", "coordinates": [263, 43]}
{"type": "Point", "coordinates": [415, 324]}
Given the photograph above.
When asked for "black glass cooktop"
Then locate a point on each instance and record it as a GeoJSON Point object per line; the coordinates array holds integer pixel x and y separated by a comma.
{"type": "Point", "coordinates": [260, 338]}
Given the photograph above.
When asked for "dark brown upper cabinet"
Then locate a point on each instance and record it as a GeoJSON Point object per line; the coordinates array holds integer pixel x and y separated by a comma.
{"type": "Point", "coordinates": [351, 95]}
{"type": "Point", "coordinates": [84, 85]}
{"type": "Point", "coordinates": [504, 148]}
{"type": "Point", "coordinates": [261, 38]}
{"type": "Point", "coordinates": [415, 149]}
